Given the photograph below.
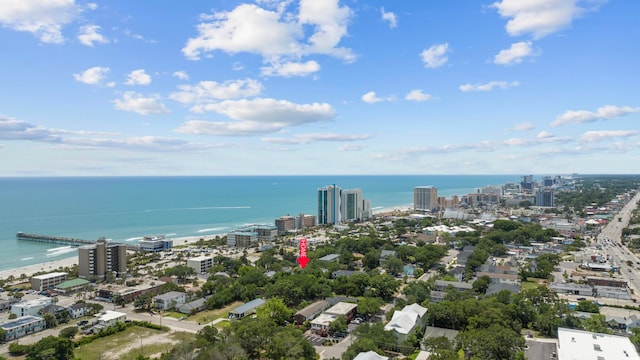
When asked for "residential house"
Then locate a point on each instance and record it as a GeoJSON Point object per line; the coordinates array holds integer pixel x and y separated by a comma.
{"type": "Point", "coordinates": [343, 308]}
{"type": "Point", "coordinates": [110, 318]}
{"type": "Point", "coordinates": [370, 355]}
{"type": "Point", "coordinates": [406, 321]}
{"type": "Point", "coordinates": [5, 304]}
{"type": "Point", "coordinates": [77, 310]}
{"type": "Point", "coordinates": [442, 285]}
{"type": "Point", "coordinates": [23, 326]}
{"type": "Point", "coordinates": [320, 325]}
{"type": "Point", "coordinates": [310, 312]}
{"type": "Point", "coordinates": [330, 257]}
{"type": "Point", "coordinates": [170, 300]}
{"type": "Point", "coordinates": [59, 312]}
{"type": "Point", "coordinates": [193, 306]}
{"type": "Point", "coordinates": [246, 309]}
{"type": "Point", "coordinates": [30, 307]}
{"type": "Point", "coordinates": [71, 286]}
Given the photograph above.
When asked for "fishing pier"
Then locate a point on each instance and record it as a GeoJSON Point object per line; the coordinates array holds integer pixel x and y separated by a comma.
{"type": "Point", "coordinates": [60, 240]}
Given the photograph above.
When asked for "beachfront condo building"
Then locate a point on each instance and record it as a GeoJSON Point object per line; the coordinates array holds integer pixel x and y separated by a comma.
{"type": "Point", "coordinates": [336, 206]}
{"type": "Point", "coordinates": [285, 224]}
{"type": "Point", "coordinates": [200, 264]}
{"type": "Point", "coordinates": [329, 205]}
{"type": "Point", "coordinates": [97, 260]}
{"type": "Point", "coordinates": [425, 198]}
{"type": "Point", "coordinates": [47, 281]}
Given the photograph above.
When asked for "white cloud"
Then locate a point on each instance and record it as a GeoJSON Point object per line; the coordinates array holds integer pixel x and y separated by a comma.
{"type": "Point", "coordinates": [13, 129]}
{"type": "Point", "coordinates": [138, 103]}
{"type": "Point", "coordinates": [274, 34]}
{"type": "Point", "coordinates": [257, 116]}
{"type": "Point", "coordinates": [272, 111]}
{"type": "Point", "coordinates": [209, 91]}
{"type": "Point", "coordinates": [606, 112]}
{"type": "Point", "coordinates": [540, 17]}
{"type": "Point", "coordinates": [524, 127]}
{"type": "Point", "coordinates": [92, 6]}
{"type": "Point", "coordinates": [418, 95]}
{"type": "Point", "coordinates": [488, 86]}
{"type": "Point", "coordinates": [389, 17]}
{"type": "Point", "coordinates": [88, 35]}
{"type": "Point", "coordinates": [435, 56]}
{"type": "Point", "coordinates": [371, 98]}
{"type": "Point", "coordinates": [92, 76]}
{"type": "Point", "coordinates": [593, 136]}
{"type": "Point", "coordinates": [514, 54]}
{"type": "Point", "coordinates": [182, 75]}
{"type": "Point", "coordinates": [350, 147]}
{"type": "Point", "coordinates": [289, 69]}
{"type": "Point", "coordinates": [315, 137]}
{"type": "Point", "coordinates": [138, 77]}
{"type": "Point", "coordinates": [42, 18]}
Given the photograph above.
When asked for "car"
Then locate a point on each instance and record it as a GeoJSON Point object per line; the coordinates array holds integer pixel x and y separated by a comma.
{"type": "Point", "coordinates": [581, 299]}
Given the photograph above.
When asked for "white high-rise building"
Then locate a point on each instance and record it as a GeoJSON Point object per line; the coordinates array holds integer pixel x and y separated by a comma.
{"type": "Point", "coordinates": [336, 206]}
{"type": "Point", "coordinates": [425, 198]}
{"type": "Point", "coordinates": [329, 198]}
{"type": "Point", "coordinates": [353, 206]}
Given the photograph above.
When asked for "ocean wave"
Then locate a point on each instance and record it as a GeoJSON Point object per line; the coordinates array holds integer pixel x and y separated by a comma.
{"type": "Point", "coordinates": [58, 249]}
{"type": "Point", "coordinates": [211, 229]}
{"type": "Point", "coordinates": [60, 252]}
{"type": "Point", "coordinates": [171, 234]}
{"type": "Point", "coordinates": [135, 238]}
{"type": "Point", "coordinates": [199, 208]}
{"type": "Point", "coordinates": [27, 258]}
{"type": "Point", "coordinates": [377, 207]}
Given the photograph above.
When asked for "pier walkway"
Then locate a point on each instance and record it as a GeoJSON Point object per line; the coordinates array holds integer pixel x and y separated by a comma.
{"type": "Point", "coordinates": [60, 240]}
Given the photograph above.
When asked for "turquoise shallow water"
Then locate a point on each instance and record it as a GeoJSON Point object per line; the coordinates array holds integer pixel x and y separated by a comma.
{"type": "Point", "coordinates": [127, 208]}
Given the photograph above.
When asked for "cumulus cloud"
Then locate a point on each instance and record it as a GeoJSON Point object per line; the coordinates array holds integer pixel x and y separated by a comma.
{"type": "Point", "coordinates": [88, 35]}
{"type": "Point", "coordinates": [435, 56]}
{"type": "Point", "coordinates": [274, 34]}
{"type": "Point", "coordinates": [488, 86]}
{"type": "Point", "coordinates": [543, 137]}
{"type": "Point", "coordinates": [182, 75]}
{"type": "Point", "coordinates": [289, 69]}
{"type": "Point", "coordinates": [541, 18]}
{"type": "Point", "coordinates": [606, 112]}
{"type": "Point", "coordinates": [43, 18]}
{"type": "Point", "coordinates": [371, 98]}
{"type": "Point", "coordinates": [138, 77]}
{"type": "Point", "coordinates": [209, 91]}
{"type": "Point", "coordinates": [601, 135]}
{"type": "Point", "coordinates": [350, 147]}
{"type": "Point", "coordinates": [417, 95]}
{"type": "Point", "coordinates": [92, 76]}
{"type": "Point", "coordinates": [515, 54]}
{"type": "Point", "coordinates": [257, 116]}
{"type": "Point", "coordinates": [390, 18]}
{"type": "Point", "coordinates": [13, 129]}
{"type": "Point", "coordinates": [524, 127]}
{"type": "Point", "coordinates": [315, 137]}
{"type": "Point", "coordinates": [138, 103]}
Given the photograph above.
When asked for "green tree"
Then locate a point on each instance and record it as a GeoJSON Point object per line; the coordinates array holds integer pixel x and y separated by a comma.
{"type": "Point", "coordinates": [492, 343]}
{"type": "Point", "coordinates": [588, 306]}
{"type": "Point", "coordinates": [3, 334]}
{"type": "Point", "coordinates": [393, 265]}
{"type": "Point", "coordinates": [68, 332]}
{"type": "Point", "coordinates": [276, 310]}
{"type": "Point", "coordinates": [50, 321]}
{"type": "Point", "coordinates": [51, 347]}
{"type": "Point", "coordinates": [338, 325]}
{"type": "Point", "coordinates": [369, 306]}
{"type": "Point", "coordinates": [597, 323]}
{"type": "Point", "coordinates": [481, 285]}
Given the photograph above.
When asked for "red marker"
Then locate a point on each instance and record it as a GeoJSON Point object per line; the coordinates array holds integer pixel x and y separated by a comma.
{"type": "Point", "coordinates": [303, 259]}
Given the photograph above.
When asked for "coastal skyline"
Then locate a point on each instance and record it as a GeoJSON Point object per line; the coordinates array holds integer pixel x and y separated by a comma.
{"type": "Point", "coordinates": [306, 87]}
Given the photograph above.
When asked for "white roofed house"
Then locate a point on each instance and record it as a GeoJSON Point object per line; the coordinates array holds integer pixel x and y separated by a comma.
{"type": "Point", "coordinates": [406, 321]}
{"type": "Point", "coordinates": [172, 299]}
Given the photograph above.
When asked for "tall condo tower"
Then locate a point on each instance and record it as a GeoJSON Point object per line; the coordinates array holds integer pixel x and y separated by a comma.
{"type": "Point", "coordinates": [329, 198]}
{"type": "Point", "coordinates": [425, 198]}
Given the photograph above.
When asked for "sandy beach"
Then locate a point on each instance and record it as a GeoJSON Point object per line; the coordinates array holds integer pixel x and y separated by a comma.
{"type": "Point", "coordinates": [51, 266]}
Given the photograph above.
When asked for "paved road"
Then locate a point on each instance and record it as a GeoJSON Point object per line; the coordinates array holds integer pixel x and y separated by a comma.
{"type": "Point", "coordinates": [610, 236]}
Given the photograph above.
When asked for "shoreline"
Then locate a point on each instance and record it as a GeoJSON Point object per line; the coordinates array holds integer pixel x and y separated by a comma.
{"type": "Point", "coordinates": [53, 265]}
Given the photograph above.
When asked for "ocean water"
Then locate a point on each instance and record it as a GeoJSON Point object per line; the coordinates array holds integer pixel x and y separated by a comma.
{"type": "Point", "coordinates": [125, 209]}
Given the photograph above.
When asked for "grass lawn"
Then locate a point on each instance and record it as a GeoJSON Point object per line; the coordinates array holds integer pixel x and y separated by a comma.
{"type": "Point", "coordinates": [173, 314]}
{"type": "Point", "coordinates": [128, 341]}
{"type": "Point", "coordinates": [531, 283]}
{"type": "Point", "coordinates": [204, 317]}
{"type": "Point", "coordinates": [223, 324]}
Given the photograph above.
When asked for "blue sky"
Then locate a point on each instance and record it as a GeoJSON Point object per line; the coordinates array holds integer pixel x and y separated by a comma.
{"type": "Point", "coordinates": [319, 87]}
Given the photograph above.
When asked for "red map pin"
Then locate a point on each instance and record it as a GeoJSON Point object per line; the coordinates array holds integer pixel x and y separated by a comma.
{"type": "Point", "coordinates": [303, 259]}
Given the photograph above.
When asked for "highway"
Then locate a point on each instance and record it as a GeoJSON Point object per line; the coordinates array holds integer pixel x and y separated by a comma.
{"type": "Point", "coordinates": [610, 237]}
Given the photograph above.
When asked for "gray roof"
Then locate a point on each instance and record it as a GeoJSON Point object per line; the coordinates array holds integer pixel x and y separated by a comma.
{"type": "Point", "coordinates": [329, 257]}
{"type": "Point", "coordinates": [194, 304]}
{"type": "Point", "coordinates": [248, 306]}
{"type": "Point", "coordinates": [313, 308]}
{"type": "Point", "coordinates": [497, 287]}
{"type": "Point", "coordinates": [169, 296]}
{"type": "Point", "coordinates": [385, 253]}
{"type": "Point", "coordinates": [370, 355]}
{"type": "Point", "coordinates": [23, 320]}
